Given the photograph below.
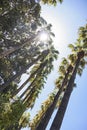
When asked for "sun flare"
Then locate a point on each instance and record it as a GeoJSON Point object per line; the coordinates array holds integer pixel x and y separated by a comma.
{"type": "Point", "coordinates": [43, 36]}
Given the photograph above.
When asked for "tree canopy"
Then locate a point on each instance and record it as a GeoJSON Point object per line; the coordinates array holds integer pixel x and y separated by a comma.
{"type": "Point", "coordinates": [24, 53]}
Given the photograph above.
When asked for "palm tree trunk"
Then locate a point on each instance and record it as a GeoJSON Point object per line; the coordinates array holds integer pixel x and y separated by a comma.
{"type": "Point", "coordinates": [61, 111]}
{"type": "Point", "coordinates": [29, 95]}
{"type": "Point", "coordinates": [2, 88]}
{"type": "Point", "coordinates": [44, 121]}
{"type": "Point", "coordinates": [31, 76]}
{"type": "Point", "coordinates": [28, 89]}
{"type": "Point", "coordinates": [39, 70]}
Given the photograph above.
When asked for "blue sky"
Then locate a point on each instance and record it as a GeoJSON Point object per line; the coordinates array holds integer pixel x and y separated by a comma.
{"type": "Point", "coordinates": [66, 18]}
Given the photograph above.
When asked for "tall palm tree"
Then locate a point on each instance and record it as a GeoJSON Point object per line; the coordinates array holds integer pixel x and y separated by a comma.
{"type": "Point", "coordinates": [80, 50]}
{"type": "Point", "coordinates": [34, 79]}
{"type": "Point", "coordinates": [61, 111]}
{"type": "Point", "coordinates": [38, 83]}
{"type": "Point", "coordinates": [45, 119]}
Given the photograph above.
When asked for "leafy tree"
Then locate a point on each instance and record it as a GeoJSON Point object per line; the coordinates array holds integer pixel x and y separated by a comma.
{"type": "Point", "coordinates": [14, 34]}
{"type": "Point", "coordinates": [21, 49]}
{"type": "Point", "coordinates": [19, 43]}
{"type": "Point", "coordinates": [10, 112]}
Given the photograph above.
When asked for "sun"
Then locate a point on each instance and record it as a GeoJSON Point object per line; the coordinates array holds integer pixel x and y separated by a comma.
{"type": "Point", "coordinates": [43, 36]}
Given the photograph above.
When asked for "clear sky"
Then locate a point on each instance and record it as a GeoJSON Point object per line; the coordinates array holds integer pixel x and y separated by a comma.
{"type": "Point", "coordinates": [66, 18]}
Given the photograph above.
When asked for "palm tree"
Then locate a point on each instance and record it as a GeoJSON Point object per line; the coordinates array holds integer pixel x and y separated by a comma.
{"type": "Point", "coordinates": [80, 49]}
{"type": "Point", "coordinates": [57, 120]}
{"type": "Point", "coordinates": [30, 89]}
{"type": "Point", "coordinates": [45, 119]}
{"type": "Point", "coordinates": [38, 83]}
